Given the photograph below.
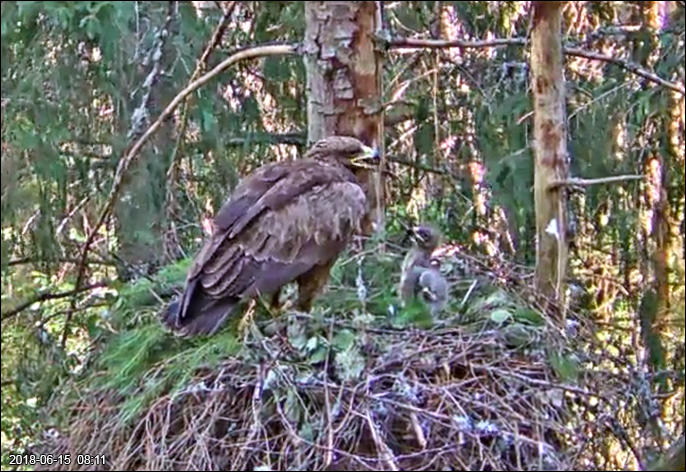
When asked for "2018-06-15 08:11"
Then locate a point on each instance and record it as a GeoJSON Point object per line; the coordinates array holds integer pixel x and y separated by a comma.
{"type": "Point", "coordinates": [57, 459]}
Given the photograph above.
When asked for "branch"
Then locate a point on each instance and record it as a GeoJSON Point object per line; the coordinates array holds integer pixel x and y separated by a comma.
{"type": "Point", "coordinates": [382, 449]}
{"type": "Point", "coordinates": [422, 167]}
{"type": "Point", "coordinates": [457, 43]}
{"type": "Point", "coordinates": [296, 139]}
{"type": "Point", "coordinates": [122, 167]}
{"type": "Point", "coordinates": [171, 241]}
{"type": "Point", "coordinates": [29, 260]}
{"type": "Point", "coordinates": [41, 297]}
{"type": "Point", "coordinates": [454, 43]}
{"type": "Point", "coordinates": [216, 39]}
{"type": "Point", "coordinates": [630, 66]}
{"type": "Point", "coordinates": [576, 182]}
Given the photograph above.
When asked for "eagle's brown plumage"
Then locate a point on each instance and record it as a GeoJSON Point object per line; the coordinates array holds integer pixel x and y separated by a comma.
{"type": "Point", "coordinates": [287, 221]}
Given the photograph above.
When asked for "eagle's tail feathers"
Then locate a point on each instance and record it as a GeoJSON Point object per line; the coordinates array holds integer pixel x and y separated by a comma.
{"type": "Point", "coordinates": [204, 316]}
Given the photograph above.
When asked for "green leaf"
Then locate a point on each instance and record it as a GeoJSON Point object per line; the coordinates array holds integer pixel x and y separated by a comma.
{"type": "Point", "coordinates": [276, 68]}
{"type": "Point", "coordinates": [525, 315]}
{"type": "Point", "coordinates": [495, 300]}
{"type": "Point", "coordinates": [319, 355]}
{"type": "Point", "coordinates": [500, 315]}
{"type": "Point", "coordinates": [292, 407]}
{"type": "Point", "coordinates": [566, 367]}
{"type": "Point", "coordinates": [350, 364]}
{"type": "Point", "coordinates": [209, 121]}
{"type": "Point", "coordinates": [519, 335]}
{"type": "Point", "coordinates": [307, 432]}
{"type": "Point", "coordinates": [312, 343]}
{"type": "Point", "coordinates": [343, 340]}
{"type": "Point", "coordinates": [297, 336]}
{"type": "Point", "coordinates": [424, 140]}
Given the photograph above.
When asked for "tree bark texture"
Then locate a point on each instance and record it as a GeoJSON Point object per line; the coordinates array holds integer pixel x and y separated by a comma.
{"type": "Point", "coordinates": [344, 83]}
{"type": "Point", "coordinates": [550, 151]}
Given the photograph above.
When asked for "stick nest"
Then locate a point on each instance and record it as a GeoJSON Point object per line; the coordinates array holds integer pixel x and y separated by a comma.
{"type": "Point", "coordinates": [354, 391]}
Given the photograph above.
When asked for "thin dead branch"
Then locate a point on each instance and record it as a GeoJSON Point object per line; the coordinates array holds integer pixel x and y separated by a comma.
{"type": "Point", "coordinates": [630, 66]}
{"type": "Point", "coordinates": [41, 297]}
{"type": "Point", "coordinates": [417, 43]}
{"type": "Point", "coordinates": [171, 244]}
{"type": "Point", "coordinates": [578, 182]}
{"type": "Point", "coordinates": [132, 154]}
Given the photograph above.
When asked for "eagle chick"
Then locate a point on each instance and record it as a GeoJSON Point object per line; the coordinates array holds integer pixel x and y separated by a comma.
{"type": "Point", "coordinates": [420, 275]}
{"type": "Point", "coordinates": [433, 289]}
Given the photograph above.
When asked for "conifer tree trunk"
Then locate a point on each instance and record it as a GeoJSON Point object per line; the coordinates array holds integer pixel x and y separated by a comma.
{"type": "Point", "coordinates": [140, 210]}
{"type": "Point", "coordinates": [344, 82]}
{"type": "Point", "coordinates": [658, 178]}
{"type": "Point", "coordinates": [550, 151]}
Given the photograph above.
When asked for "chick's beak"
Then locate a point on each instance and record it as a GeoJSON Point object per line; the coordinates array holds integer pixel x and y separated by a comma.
{"type": "Point", "coordinates": [416, 235]}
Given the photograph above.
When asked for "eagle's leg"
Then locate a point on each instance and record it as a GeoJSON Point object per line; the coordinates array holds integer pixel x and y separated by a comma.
{"type": "Point", "coordinates": [311, 283]}
{"type": "Point", "coordinates": [247, 319]}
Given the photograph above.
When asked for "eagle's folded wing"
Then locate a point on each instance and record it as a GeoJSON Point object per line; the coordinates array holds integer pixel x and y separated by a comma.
{"type": "Point", "coordinates": [280, 223]}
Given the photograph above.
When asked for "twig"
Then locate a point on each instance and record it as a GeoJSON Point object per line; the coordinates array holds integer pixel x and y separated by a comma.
{"type": "Point", "coordinates": [328, 457]}
{"type": "Point", "coordinates": [41, 297]}
{"type": "Point", "coordinates": [122, 167]}
{"type": "Point", "coordinates": [414, 420]}
{"type": "Point", "coordinates": [422, 167]}
{"type": "Point", "coordinates": [76, 208]}
{"type": "Point", "coordinates": [454, 43]}
{"type": "Point", "coordinates": [499, 42]}
{"type": "Point", "coordinates": [381, 447]}
{"type": "Point", "coordinates": [216, 37]}
{"type": "Point", "coordinates": [577, 182]}
{"type": "Point", "coordinates": [171, 244]}
{"type": "Point", "coordinates": [469, 292]}
{"type": "Point", "coordinates": [620, 433]}
{"type": "Point", "coordinates": [630, 66]}
{"type": "Point", "coordinates": [297, 139]}
{"type": "Point", "coordinates": [30, 260]}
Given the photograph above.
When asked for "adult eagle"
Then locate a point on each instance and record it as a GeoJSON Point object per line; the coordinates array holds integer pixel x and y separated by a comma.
{"type": "Point", "coordinates": [287, 221]}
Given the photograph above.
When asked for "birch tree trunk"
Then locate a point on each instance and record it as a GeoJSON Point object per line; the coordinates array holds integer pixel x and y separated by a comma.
{"type": "Point", "coordinates": [344, 83]}
{"type": "Point", "coordinates": [550, 151]}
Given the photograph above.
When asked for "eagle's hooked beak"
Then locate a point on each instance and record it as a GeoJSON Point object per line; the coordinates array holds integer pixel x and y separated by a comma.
{"type": "Point", "coordinates": [369, 158]}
